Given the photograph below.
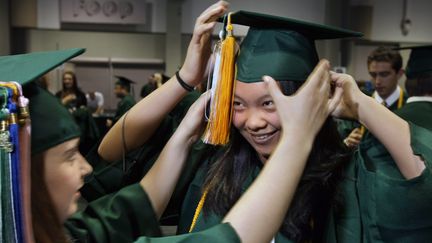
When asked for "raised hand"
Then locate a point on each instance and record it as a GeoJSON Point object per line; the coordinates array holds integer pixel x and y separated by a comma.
{"type": "Point", "coordinates": [199, 48]}
{"type": "Point", "coordinates": [192, 124]}
{"type": "Point", "coordinates": [348, 107]}
{"type": "Point", "coordinates": [305, 112]}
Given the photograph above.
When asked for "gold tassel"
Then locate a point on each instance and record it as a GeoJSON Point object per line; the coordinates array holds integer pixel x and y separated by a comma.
{"type": "Point", "coordinates": [219, 120]}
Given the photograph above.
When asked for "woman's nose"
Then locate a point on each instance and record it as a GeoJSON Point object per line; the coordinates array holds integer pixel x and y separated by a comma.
{"type": "Point", "coordinates": [255, 121]}
{"type": "Point", "coordinates": [86, 168]}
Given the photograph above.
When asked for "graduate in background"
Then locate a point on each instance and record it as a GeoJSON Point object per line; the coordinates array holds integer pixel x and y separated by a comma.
{"type": "Point", "coordinates": [385, 68]}
{"type": "Point", "coordinates": [122, 90]}
{"type": "Point", "coordinates": [418, 108]}
{"type": "Point", "coordinates": [71, 95]}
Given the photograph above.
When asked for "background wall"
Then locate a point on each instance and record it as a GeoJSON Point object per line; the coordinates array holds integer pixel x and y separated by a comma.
{"type": "Point", "coordinates": [309, 10]}
{"type": "Point", "coordinates": [98, 44]}
{"type": "Point", "coordinates": [387, 16]}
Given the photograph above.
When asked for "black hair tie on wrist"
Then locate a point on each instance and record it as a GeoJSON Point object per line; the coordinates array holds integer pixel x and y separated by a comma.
{"type": "Point", "coordinates": [183, 83]}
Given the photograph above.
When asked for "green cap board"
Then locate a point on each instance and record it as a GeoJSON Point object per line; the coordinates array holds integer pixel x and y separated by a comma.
{"type": "Point", "coordinates": [283, 48]}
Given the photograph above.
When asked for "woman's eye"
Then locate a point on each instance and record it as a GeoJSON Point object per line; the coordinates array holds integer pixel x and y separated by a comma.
{"type": "Point", "coordinates": [268, 103]}
{"type": "Point", "coordinates": [237, 104]}
{"type": "Point", "coordinates": [71, 158]}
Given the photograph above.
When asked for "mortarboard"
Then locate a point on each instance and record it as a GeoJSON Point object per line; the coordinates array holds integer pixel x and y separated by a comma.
{"type": "Point", "coordinates": [123, 81]}
{"type": "Point", "coordinates": [280, 47]}
{"type": "Point", "coordinates": [283, 48]}
{"type": "Point", "coordinates": [419, 62]}
{"type": "Point", "coordinates": [52, 124]}
{"type": "Point", "coordinates": [126, 83]}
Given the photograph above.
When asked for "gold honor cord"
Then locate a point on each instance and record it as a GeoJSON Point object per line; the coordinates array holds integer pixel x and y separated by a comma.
{"type": "Point", "coordinates": [400, 101]}
{"type": "Point", "coordinates": [198, 210]}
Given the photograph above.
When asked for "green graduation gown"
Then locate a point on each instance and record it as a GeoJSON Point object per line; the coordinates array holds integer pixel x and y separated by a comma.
{"type": "Point", "coordinates": [380, 205]}
{"type": "Point", "coordinates": [123, 106]}
{"type": "Point", "coordinates": [418, 112]}
{"type": "Point", "coordinates": [128, 216]}
{"type": "Point", "coordinates": [221, 233]}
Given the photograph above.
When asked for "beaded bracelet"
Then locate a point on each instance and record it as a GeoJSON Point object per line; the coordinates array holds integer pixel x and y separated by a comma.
{"type": "Point", "coordinates": [183, 83]}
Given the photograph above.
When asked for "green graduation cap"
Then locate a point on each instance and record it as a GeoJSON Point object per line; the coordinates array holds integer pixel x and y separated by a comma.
{"type": "Point", "coordinates": [123, 81]}
{"type": "Point", "coordinates": [280, 47]}
{"type": "Point", "coordinates": [419, 62]}
{"type": "Point", "coordinates": [51, 123]}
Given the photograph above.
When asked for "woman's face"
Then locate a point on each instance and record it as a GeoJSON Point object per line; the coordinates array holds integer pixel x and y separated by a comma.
{"type": "Point", "coordinates": [65, 169]}
{"type": "Point", "coordinates": [68, 81]}
{"type": "Point", "coordinates": [256, 118]}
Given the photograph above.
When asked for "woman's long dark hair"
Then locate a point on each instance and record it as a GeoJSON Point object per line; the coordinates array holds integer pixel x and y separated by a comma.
{"type": "Point", "coordinates": [315, 193]}
{"type": "Point", "coordinates": [46, 224]}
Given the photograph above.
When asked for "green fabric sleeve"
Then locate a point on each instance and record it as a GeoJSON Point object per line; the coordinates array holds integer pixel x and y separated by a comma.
{"type": "Point", "coordinates": [396, 209]}
{"type": "Point", "coordinates": [123, 217]}
{"type": "Point", "coordinates": [421, 143]}
{"type": "Point", "coordinates": [221, 233]}
{"type": "Point", "coordinates": [379, 204]}
{"type": "Point", "coordinates": [374, 157]}
{"type": "Point", "coordinates": [419, 113]}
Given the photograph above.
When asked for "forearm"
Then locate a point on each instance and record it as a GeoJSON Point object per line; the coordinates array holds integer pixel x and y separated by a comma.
{"type": "Point", "coordinates": [258, 214]}
{"type": "Point", "coordinates": [142, 120]}
{"type": "Point", "coordinates": [393, 132]}
{"type": "Point", "coordinates": [160, 181]}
